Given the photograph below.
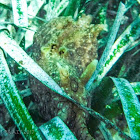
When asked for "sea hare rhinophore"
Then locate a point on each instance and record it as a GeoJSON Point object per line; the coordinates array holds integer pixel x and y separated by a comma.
{"type": "Point", "coordinates": [67, 51]}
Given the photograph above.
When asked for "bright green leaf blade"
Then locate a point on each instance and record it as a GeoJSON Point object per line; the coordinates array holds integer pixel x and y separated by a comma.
{"type": "Point", "coordinates": [113, 108]}
{"type": "Point", "coordinates": [112, 36]}
{"type": "Point", "coordinates": [20, 13]}
{"type": "Point", "coordinates": [10, 46]}
{"type": "Point", "coordinates": [73, 5]}
{"type": "Point", "coordinates": [62, 5]}
{"type": "Point", "coordinates": [17, 53]}
{"type": "Point", "coordinates": [34, 7]}
{"type": "Point", "coordinates": [74, 8]}
{"type": "Point", "coordinates": [56, 129]}
{"type": "Point", "coordinates": [15, 105]}
{"type": "Point", "coordinates": [55, 8]}
{"type": "Point", "coordinates": [113, 52]}
{"type": "Point", "coordinates": [5, 6]}
{"type": "Point", "coordinates": [131, 106]}
{"type": "Point", "coordinates": [136, 87]}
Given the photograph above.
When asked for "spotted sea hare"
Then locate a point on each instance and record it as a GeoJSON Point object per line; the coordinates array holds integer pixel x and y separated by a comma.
{"type": "Point", "coordinates": [67, 50]}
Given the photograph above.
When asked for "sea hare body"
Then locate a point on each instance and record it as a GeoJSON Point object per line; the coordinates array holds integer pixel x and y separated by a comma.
{"type": "Point", "coordinates": [67, 51]}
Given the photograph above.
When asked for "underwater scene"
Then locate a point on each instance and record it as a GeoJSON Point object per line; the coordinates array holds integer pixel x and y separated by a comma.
{"type": "Point", "coordinates": [70, 70]}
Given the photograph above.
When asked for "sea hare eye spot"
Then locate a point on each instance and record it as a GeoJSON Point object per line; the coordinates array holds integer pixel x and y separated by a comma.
{"type": "Point", "coordinates": [74, 85]}
{"type": "Point", "coordinates": [80, 51]}
{"type": "Point", "coordinates": [62, 51]}
{"type": "Point", "coordinates": [70, 45]}
{"type": "Point", "coordinates": [53, 46]}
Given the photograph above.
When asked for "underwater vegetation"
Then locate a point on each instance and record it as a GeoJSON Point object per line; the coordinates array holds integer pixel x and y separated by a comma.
{"type": "Point", "coordinates": [70, 69]}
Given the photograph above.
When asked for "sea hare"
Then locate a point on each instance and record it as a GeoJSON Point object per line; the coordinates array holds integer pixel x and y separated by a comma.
{"type": "Point", "coordinates": [66, 50]}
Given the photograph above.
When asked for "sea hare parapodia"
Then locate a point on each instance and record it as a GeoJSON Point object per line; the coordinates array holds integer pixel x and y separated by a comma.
{"type": "Point", "coordinates": [67, 51]}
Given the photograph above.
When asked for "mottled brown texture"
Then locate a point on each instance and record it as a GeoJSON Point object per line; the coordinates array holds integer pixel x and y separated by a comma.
{"type": "Point", "coordinates": [63, 48]}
